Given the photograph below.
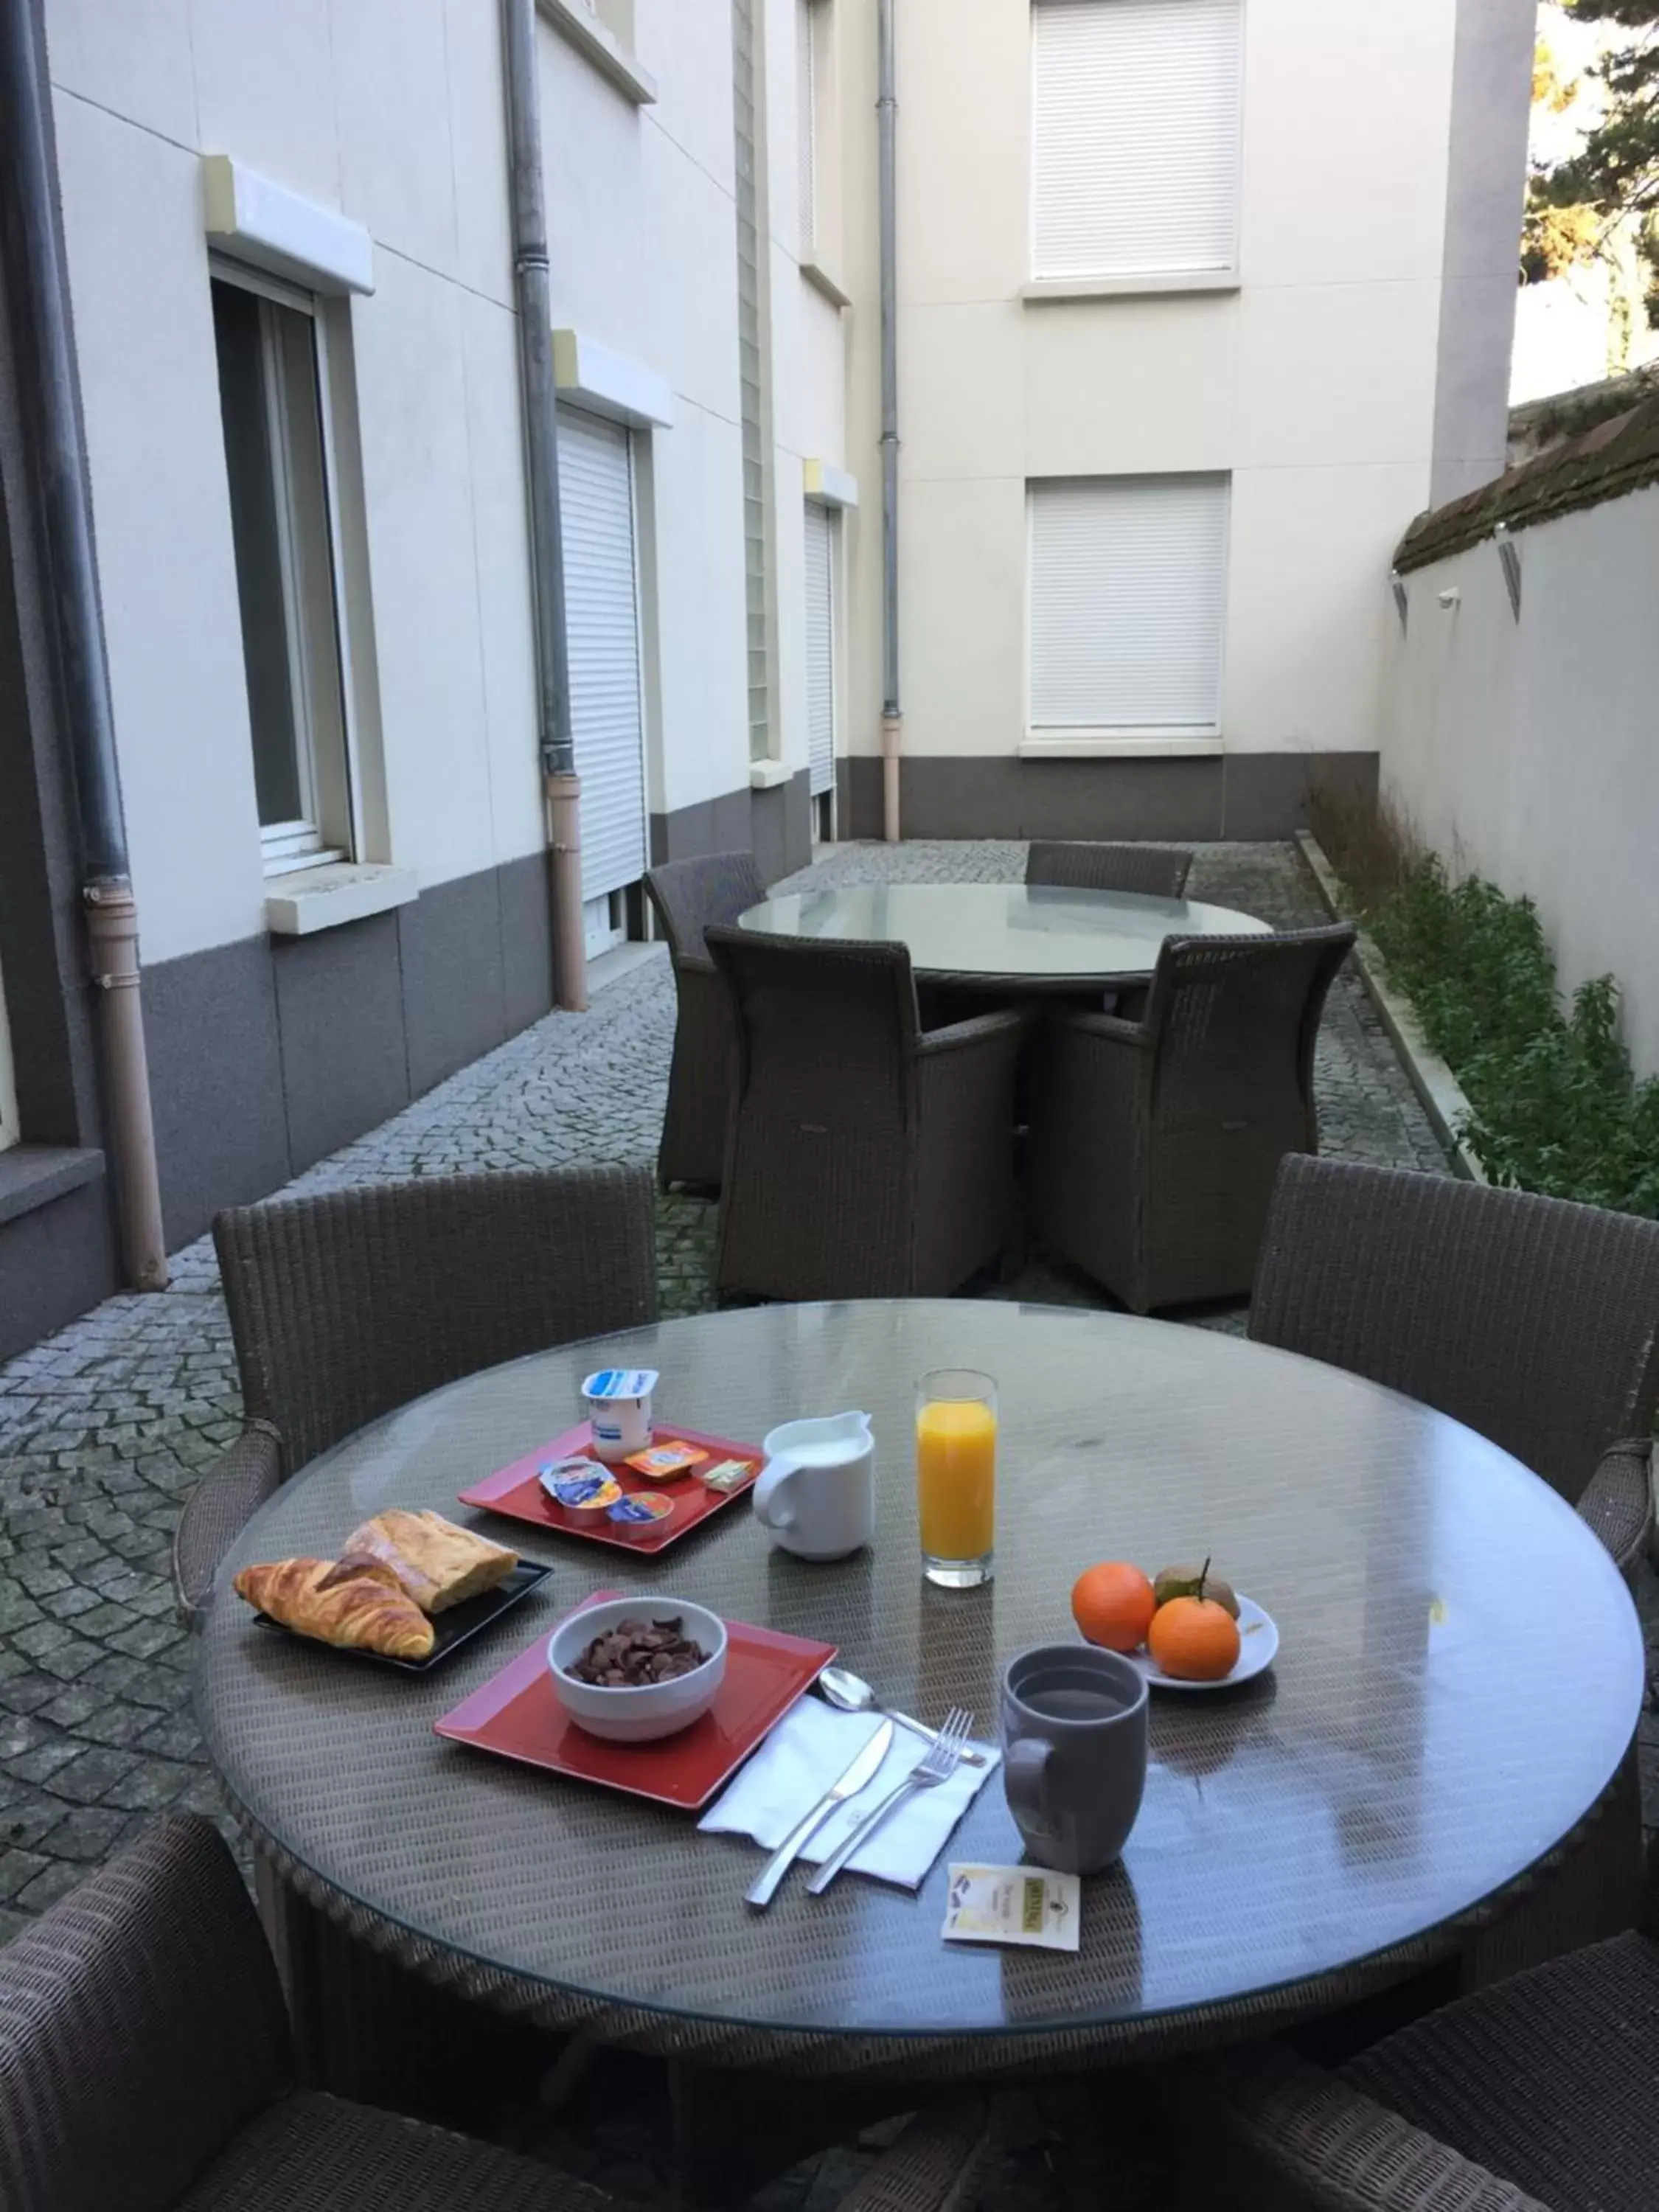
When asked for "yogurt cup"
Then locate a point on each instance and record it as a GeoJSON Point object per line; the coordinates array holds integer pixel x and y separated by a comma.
{"type": "Point", "coordinates": [618, 1404]}
{"type": "Point", "coordinates": [579, 1488]}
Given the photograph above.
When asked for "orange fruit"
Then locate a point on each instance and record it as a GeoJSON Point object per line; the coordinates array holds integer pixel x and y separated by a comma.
{"type": "Point", "coordinates": [1193, 1639]}
{"type": "Point", "coordinates": [1112, 1604]}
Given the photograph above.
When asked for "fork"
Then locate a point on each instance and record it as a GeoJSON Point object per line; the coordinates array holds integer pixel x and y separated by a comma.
{"type": "Point", "coordinates": [937, 1764]}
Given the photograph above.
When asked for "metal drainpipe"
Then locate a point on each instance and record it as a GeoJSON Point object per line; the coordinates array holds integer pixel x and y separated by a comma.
{"type": "Point", "coordinates": [560, 785]}
{"type": "Point", "coordinates": [892, 720]}
{"type": "Point", "coordinates": [60, 504]}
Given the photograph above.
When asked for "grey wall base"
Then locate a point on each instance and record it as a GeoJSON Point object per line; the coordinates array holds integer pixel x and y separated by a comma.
{"type": "Point", "coordinates": [266, 1054]}
{"type": "Point", "coordinates": [1245, 795]}
{"type": "Point", "coordinates": [776, 826]}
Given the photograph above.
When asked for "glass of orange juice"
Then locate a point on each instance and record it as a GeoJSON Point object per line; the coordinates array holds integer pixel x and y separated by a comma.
{"type": "Point", "coordinates": [956, 1476]}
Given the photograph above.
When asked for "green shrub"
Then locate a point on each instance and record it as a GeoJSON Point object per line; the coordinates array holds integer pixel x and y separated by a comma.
{"type": "Point", "coordinates": [1554, 1107]}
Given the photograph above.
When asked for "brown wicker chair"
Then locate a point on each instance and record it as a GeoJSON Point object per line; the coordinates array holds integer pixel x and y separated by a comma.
{"type": "Point", "coordinates": [146, 2065]}
{"type": "Point", "coordinates": [1154, 1144]}
{"type": "Point", "coordinates": [346, 1305]}
{"type": "Point", "coordinates": [1531, 1319]}
{"type": "Point", "coordinates": [1535, 2095]}
{"type": "Point", "coordinates": [687, 896]}
{"type": "Point", "coordinates": [1153, 871]}
{"type": "Point", "coordinates": [866, 1157]}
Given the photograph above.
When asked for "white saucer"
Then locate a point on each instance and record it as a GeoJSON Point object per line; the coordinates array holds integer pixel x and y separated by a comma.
{"type": "Point", "coordinates": [1258, 1642]}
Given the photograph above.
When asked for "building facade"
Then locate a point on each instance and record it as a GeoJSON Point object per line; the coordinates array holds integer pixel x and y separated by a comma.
{"type": "Point", "coordinates": [1197, 301]}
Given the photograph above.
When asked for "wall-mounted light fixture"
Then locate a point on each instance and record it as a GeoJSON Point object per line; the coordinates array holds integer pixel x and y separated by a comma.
{"type": "Point", "coordinates": [1449, 598]}
{"type": "Point", "coordinates": [1401, 604]}
{"type": "Point", "coordinates": [1509, 554]}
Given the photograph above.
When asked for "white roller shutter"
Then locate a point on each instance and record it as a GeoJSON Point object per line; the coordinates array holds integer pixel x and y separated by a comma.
{"type": "Point", "coordinates": [1137, 108]}
{"type": "Point", "coordinates": [820, 647]}
{"type": "Point", "coordinates": [1128, 600]}
{"type": "Point", "coordinates": [596, 493]}
{"type": "Point", "coordinates": [807, 110]}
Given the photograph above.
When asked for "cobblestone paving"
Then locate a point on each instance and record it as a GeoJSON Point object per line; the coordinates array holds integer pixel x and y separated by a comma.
{"type": "Point", "coordinates": [105, 1427]}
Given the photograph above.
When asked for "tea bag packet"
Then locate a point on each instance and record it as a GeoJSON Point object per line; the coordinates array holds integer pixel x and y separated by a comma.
{"type": "Point", "coordinates": [1013, 1904]}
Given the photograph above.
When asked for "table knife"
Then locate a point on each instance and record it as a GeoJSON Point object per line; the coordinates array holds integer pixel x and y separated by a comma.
{"type": "Point", "coordinates": [858, 1776]}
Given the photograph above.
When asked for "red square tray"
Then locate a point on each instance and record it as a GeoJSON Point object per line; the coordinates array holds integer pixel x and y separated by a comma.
{"type": "Point", "coordinates": [516, 1715]}
{"type": "Point", "coordinates": [515, 1492]}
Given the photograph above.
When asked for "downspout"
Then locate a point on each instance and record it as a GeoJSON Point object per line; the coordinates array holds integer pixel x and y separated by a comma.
{"type": "Point", "coordinates": [892, 720]}
{"type": "Point", "coordinates": [60, 505]}
{"type": "Point", "coordinates": [561, 788]}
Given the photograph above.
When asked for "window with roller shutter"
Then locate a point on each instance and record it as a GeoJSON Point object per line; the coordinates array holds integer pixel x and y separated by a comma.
{"type": "Point", "coordinates": [596, 495]}
{"type": "Point", "coordinates": [1136, 129]}
{"type": "Point", "coordinates": [820, 647]}
{"type": "Point", "coordinates": [1128, 593]}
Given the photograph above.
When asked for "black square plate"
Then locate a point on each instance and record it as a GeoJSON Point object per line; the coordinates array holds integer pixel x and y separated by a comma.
{"type": "Point", "coordinates": [459, 1625]}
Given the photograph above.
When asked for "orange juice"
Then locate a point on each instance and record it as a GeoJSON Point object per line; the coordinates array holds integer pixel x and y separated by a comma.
{"type": "Point", "coordinates": [956, 1477]}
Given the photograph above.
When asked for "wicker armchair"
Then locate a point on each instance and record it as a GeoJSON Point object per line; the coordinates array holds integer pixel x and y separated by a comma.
{"type": "Point", "coordinates": [344, 1306]}
{"type": "Point", "coordinates": [866, 1157]}
{"type": "Point", "coordinates": [1154, 1142]}
{"type": "Point", "coordinates": [1153, 871]}
{"type": "Point", "coordinates": [1534, 1320]}
{"type": "Point", "coordinates": [146, 2066]}
{"type": "Point", "coordinates": [687, 896]}
{"type": "Point", "coordinates": [1535, 2095]}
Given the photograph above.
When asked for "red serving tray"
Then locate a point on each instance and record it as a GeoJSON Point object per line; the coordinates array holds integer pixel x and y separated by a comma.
{"type": "Point", "coordinates": [517, 1715]}
{"type": "Point", "coordinates": [515, 1492]}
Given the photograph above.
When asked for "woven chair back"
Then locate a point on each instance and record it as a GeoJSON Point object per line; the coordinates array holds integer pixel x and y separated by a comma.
{"type": "Point", "coordinates": [1531, 1319]}
{"type": "Point", "coordinates": [689, 895]}
{"type": "Point", "coordinates": [345, 1305]}
{"type": "Point", "coordinates": [1151, 870]}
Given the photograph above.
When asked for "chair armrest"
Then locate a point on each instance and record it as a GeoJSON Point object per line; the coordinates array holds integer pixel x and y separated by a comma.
{"type": "Point", "coordinates": [1617, 1501]}
{"type": "Point", "coordinates": [1008, 1021]}
{"type": "Point", "coordinates": [141, 2028]}
{"type": "Point", "coordinates": [936, 2164]}
{"type": "Point", "coordinates": [1314, 2144]}
{"type": "Point", "coordinates": [1111, 1029]}
{"type": "Point", "coordinates": [217, 1510]}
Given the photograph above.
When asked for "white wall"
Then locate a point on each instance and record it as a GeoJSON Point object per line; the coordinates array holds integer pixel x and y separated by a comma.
{"type": "Point", "coordinates": [1314, 383]}
{"type": "Point", "coordinates": [1524, 751]}
{"type": "Point", "coordinates": [391, 113]}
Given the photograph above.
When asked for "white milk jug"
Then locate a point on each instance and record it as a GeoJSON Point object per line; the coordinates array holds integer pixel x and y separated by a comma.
{"type": "Point", "coordinates": [816, 1492]}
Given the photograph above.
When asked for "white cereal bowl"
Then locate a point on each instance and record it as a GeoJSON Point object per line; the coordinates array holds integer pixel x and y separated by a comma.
{"type": "Point", "coordinates": [643, 1713]}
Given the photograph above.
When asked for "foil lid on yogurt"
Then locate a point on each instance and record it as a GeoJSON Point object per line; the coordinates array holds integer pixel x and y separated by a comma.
{"type": "Point", "coordinates": [621, 1383]}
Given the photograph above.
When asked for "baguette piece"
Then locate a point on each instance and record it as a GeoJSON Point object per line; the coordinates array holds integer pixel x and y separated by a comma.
{"type": "Point", "coordinates": [438, 1563]}
{"type": "Point", "coordinates": [354, 1603]}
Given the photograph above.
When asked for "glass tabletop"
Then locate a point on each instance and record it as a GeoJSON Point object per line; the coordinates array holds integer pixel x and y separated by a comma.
{"type": "Point", "coordinates": [1459, 1674]}
{"type": "Point", "coordinates": [1004, 930]}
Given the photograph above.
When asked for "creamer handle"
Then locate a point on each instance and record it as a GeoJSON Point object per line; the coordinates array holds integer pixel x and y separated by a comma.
{"type": "Point", "coordinates": [771, 1509]}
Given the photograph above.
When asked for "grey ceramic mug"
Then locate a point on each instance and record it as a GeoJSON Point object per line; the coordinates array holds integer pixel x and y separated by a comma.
{"type": "Point", "coordinates": [1074, 1753]}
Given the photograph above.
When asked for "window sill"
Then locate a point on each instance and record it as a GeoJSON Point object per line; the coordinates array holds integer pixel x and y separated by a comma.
{"type": "Point", "coordinates": [323, 898]}
{"type": "Point", "coordinates": [601, 46]}
{"type": "Point", "coordinates": [1120, 745]}
{"type": "Point", "coordinates": [768, 774]}
{"type": "Point", "coordinates": [813, 268]}
{"type": "Point", "coordinates": [32, 1176]}
{"type": "Point", "coordinates": [1042, 288]}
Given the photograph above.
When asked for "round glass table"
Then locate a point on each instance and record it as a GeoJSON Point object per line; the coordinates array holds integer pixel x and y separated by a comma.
{"type": "Point", "coordinates": [1458, 1679]}
{"type": "Point", "coordinates": [1037, 938]}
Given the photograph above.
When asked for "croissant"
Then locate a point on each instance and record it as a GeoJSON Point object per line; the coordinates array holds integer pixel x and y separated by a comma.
{"type": "Point", "coordinates": [355, 1602]}
{"type": "Point", "coordinates": [438, 1563]}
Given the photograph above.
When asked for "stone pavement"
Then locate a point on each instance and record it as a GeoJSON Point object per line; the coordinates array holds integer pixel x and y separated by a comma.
{"type": "Point", "coordinates": [105, 1427]}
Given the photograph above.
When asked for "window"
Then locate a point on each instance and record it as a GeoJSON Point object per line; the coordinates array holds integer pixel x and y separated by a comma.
{"type": "Point", "coordinates": [1128, 598]}
{"type": "Point", "coordinates": [806, 109]}
{"type": "Point", "coordinates": [1135, 137]}
{"type": "Point", "coordinates": [602, 625]}
{"type": "Point", "coordinates": [616, 15]}
{"type": "Point", "coordinates": [269, 342]}
{"type": "Point", "coordinates": [821, 653]}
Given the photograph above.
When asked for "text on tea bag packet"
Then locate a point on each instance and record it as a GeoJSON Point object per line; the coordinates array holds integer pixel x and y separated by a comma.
{"type": "Point", "coordinates": [1013, 1904]}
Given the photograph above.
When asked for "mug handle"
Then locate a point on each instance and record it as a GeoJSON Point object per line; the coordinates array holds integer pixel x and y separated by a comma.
{"type": "Point", "coordinates": [1025, 1777]}
{"type": "Point", "coordinates": [771, 1509]}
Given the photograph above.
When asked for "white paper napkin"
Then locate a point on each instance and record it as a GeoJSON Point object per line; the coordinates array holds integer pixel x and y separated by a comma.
{"type": "Point", "coordinates": [806, 1754]}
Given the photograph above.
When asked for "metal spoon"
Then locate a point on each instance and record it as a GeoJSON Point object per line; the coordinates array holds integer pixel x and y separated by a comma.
{"type": "Point", "coordinates": [853, 1694]}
